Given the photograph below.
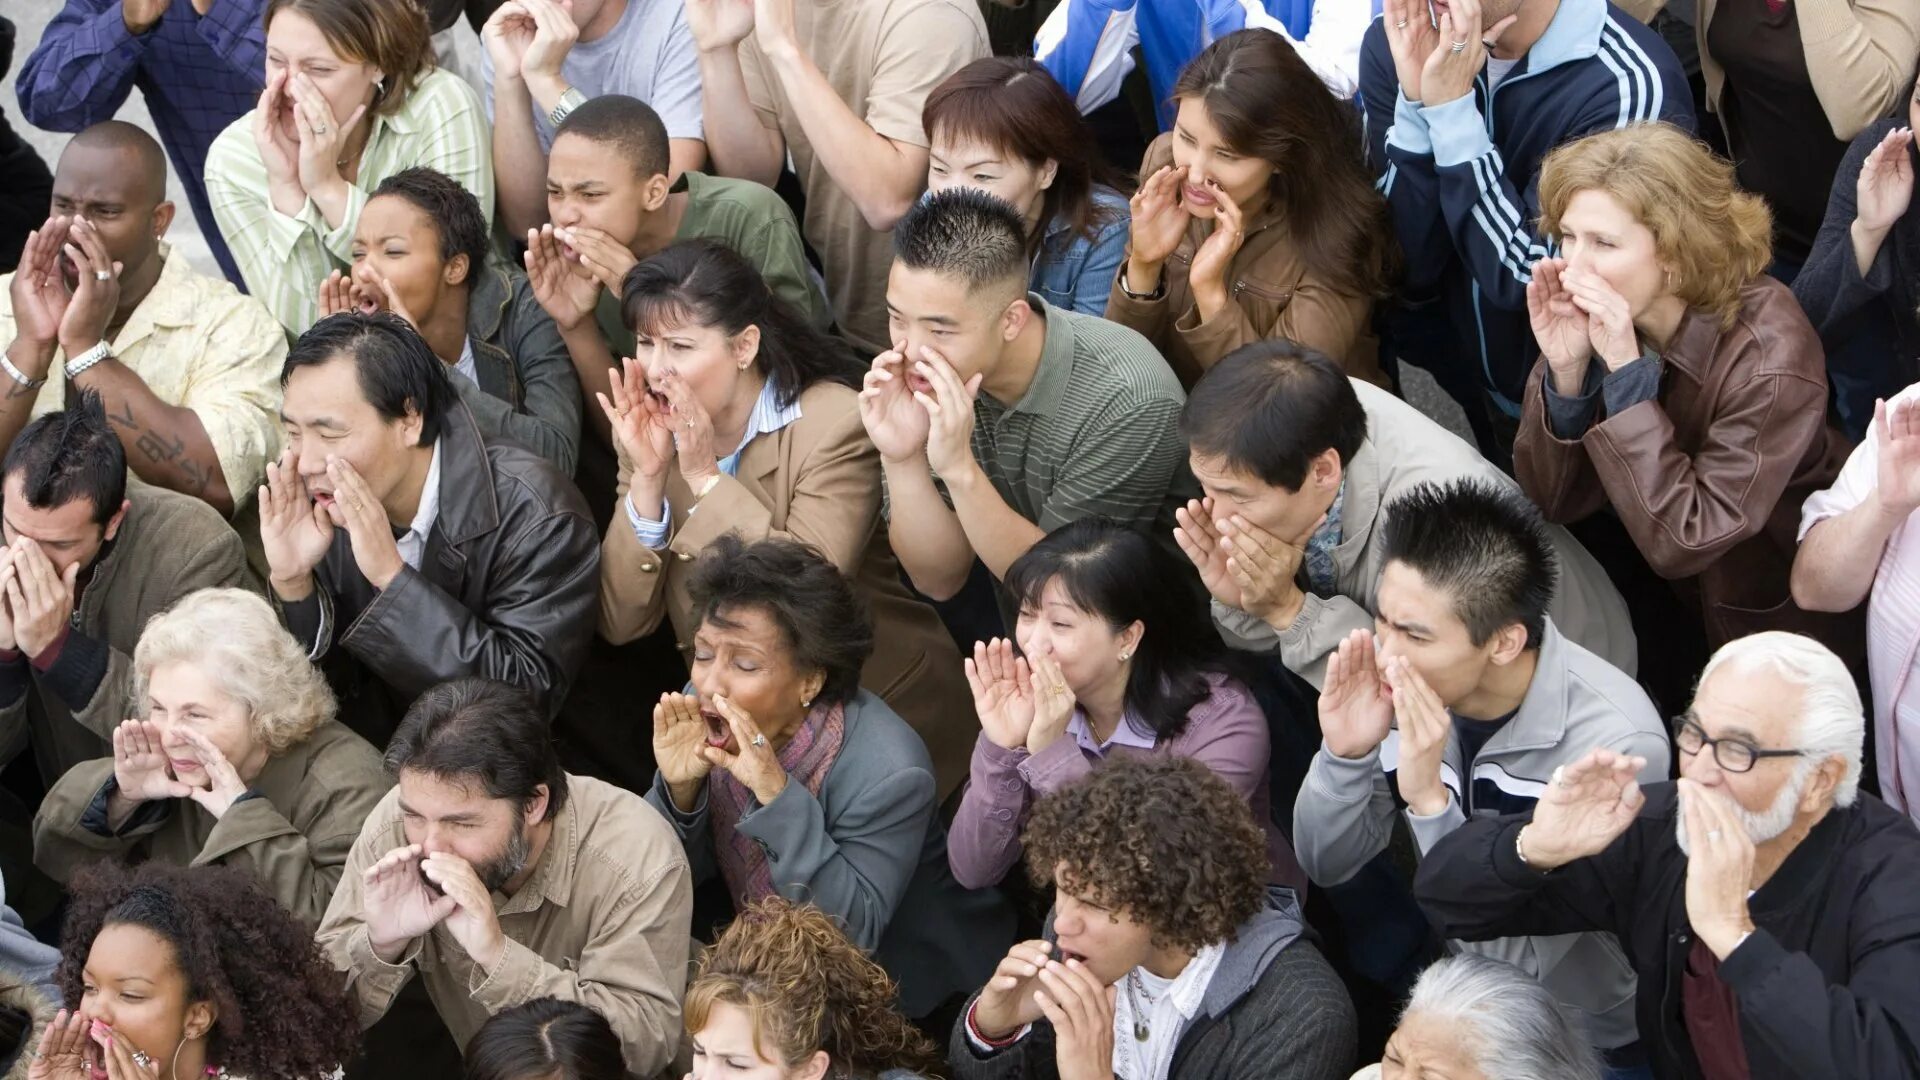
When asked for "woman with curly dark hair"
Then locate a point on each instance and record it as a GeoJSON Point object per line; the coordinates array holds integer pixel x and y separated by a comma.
{"type": "Point", "coordinates": [783, 995]}
{"type": "Point", "coordinates": [1168, 957]}
{"type": "Point", "coordinates": [173, 973]}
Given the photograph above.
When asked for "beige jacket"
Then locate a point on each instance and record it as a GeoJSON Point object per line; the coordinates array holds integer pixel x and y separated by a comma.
{"type": "Point", "coordinates": [294, 835]}
{"type": "Point", "coordinates": [1860, 57]}
{"type": "Point", "coordinates": [1404, 448]}
{"type": "Point", "coordinates": [604, 920]}
{"type": "Point", "coordinates": [817, 481]}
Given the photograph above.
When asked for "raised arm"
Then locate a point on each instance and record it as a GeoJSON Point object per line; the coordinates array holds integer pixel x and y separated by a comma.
{"type": "Point", "coordinates": [743, 134]}
{"type": "Point", "coordinates": [1844, 530]}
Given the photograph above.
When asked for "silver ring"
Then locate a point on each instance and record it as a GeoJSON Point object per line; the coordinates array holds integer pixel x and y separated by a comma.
{"type": "Point", "coordinates": [1713, 834]}
{"type": "Point", "coordinates": [1401, 25]}
{"type": "Point", "coordinates": [320, 129]}
{"type": "Point", "coordinates": [1459, 46]}
{"type": "Point", "coordinates": [103, 275]}
{"type": "Point", "coordinates": [758, 740]}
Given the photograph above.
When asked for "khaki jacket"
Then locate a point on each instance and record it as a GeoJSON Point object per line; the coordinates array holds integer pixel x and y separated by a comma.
{"type": "Point", "coordinates": [1404, 448]}
{"type": "Point", "coordinates": [603, 920]}
{"type": "Point", "coordinates": [168, 546]}
{"type": "Point", "coordinates": [1272, 294]}
{"type": "Point", "coordinates": [1859, 57]}
{"type": "Point", "coordinates": [817, 481]}
{"type": "Point", "coordinates": [1708, 478]}
{"type": "Point", "coordinates": [294, 836]}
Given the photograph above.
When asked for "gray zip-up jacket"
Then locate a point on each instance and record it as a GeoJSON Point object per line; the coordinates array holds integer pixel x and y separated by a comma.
{"type": "Point", "coordinates": [1576, 703]}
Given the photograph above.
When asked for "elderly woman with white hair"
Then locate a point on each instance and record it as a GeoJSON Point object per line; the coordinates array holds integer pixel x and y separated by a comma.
{"type": "Point", "coordinates": [1770, 909]}
{"type": "Point", "coordinates": [236, 757]}
{"type": "Point", "coordinates": [1476, 1018]}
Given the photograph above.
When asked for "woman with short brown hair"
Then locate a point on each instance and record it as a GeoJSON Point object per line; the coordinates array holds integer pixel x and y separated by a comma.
{"type": "Point", "coordinates": [1678, 385]}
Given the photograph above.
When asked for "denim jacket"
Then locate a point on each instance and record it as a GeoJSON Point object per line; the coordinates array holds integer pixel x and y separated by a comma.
{"type": "Point", "coordinates": [527, 391]}
{"type": "Point", "coordinates": [1076, 273]}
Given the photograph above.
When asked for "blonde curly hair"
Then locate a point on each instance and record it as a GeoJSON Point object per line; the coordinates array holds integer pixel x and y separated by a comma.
{"type": "Point", "coordinates": [807, 989]}
{"type": "Point", "coordinates": [236, 640]}
{"type": "Point", "coordinates": [1715, 237]}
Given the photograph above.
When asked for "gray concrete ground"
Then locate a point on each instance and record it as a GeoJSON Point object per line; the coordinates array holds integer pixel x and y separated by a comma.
{"type": "Point", "coordinates": [32, 16]}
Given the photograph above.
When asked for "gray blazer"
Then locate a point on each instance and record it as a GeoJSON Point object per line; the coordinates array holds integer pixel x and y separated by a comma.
{"type": "Point", "coordinates": [528, 390]}
{"type": "Point", "coordinates": [870, 851]}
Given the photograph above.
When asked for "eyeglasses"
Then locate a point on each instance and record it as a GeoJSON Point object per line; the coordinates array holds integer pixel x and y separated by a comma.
{"type": "Point", "coordinates": [1733, 755]}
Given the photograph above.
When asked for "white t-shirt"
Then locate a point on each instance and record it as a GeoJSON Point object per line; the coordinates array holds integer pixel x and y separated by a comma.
{"type": "Point", "coordinates": [1498, 69]}
{"type": "Point", "coordinates": [649, 54]}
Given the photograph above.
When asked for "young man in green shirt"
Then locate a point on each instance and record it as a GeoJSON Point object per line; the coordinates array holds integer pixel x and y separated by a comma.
{"type": "Point", "coordinates": [610, 206]}
{"type": "Point", "coordinates": [1031, 417]}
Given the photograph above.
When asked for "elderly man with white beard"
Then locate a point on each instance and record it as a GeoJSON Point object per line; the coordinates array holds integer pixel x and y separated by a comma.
{"type": "Point", "coordinates": [1771, 911]}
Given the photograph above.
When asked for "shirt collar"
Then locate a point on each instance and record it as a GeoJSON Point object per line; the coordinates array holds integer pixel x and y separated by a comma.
{"type": "Point", "coordinates": [768, 417]}
{"type": "Point", "coordinates": [465, 365]}
{"type": "Point", "coordinates": [1055, 370]}
{"type": "Point", "coordinates": [1129, 733]}
{"type": "Point", "coordinates": [428, 511]}
{"type": "Point", "coordinates": [173, 301]}
{"type": "Point", "coordinates": [1190, 988]}
{"type": "Point", "coordinates": [552, 878]}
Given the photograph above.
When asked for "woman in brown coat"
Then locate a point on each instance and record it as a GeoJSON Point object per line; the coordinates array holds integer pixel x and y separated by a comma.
{"type": "Point", "coordinates": [1679, 386]}
{"type": "Point", "coordinates": [737, 417]}
{"type": "Point", "coordinates": [237, 761]}
{"type": "Point", "coordinates": [1255, 217]}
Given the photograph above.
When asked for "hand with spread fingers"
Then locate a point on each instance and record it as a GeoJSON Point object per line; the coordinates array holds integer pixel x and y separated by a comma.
{"type": "Point", "coordinates": [64, 1049]}
{"type": "Point", "coordinates": [392, 302]}
{"type": "Point", "coordinates": [1053, 703]}
{"type": "Point", "coordinates": [96, 290]}
{"type": "Point", "coordinates": [40, 597]}
{"type": "Point", "coordinates": [1157, 224]}
{"type": "Point", "coordinates": [642, 433]}
{"type": "Point", "coordinates": [719, 24]}
{"type": "Point", "coordinates": [1081, 1012]}
{"type": "Point", "coordinates": [1885, 187]}
{"type": "Point", "coordinates": [375, 551]}
{"type": "Point", "coordinates": [39, 290]}
{"type": "Point", "coordinates": [117, 1055]}
{"type": "Point", "coordinates": [894, 419]}
{"type": "Point", "coordinates": [1263, 565]}
{"type": "Point", "coordinates": [606, 259]}
{"type": "Point", "coordinates": [554, 35]}
{"type": "Point", "coordinates": [949, 407]}
{"type": "Point", "coordinates": [1411, 38]}
{"type": "Point", "coordinates": [1006, 1003]}
{"type": "Point", "coordinates": [279, 147]}
{"type": "Point", "coordinates": [506, 36]}
{"type": "Point", "coordinates": [295, 531]}
{"type": "Point", "coordinates": [1609, 317]}
{"type": "Point", "coordinates": [1719, 867]}
{"type": "Point", "coordinates": [565, 288]}
{"type": "Point", "coordinates": [1003, 692]}
{"type": "Point", "coordinates": [679, 747]}
{"type": "Point", "coordinates": [338, 295]}
{"type": "Point", "coordinates": [1213, 262]}
{"type": "Point", "coordinates": [1896, 435]}
{"type": "Point", "coordinates": [1559, 326]}
{"type": "Point", "coordinates": [1586, 806]}
{"type": "Point", "coordinates": [224, 785]}
{"type": "Point", "coordinates": [1356, 711]}
{"type": "Point", "coordinates": [140, 768]}
{"type": "Point", "coordinates": [1199, 538]}
{"type": "Point", "coordinates": [473, 922]}
{"type": "Point", "coordinates": [1425, 728]}
{"type": "Point", "coordinates": [753, 761]}
{"type": "Point", "coordinates": [692, 428]}
{"type": "Point", "coordinates": [323, 138]}
{"type": "Point", "coordinates": [1459, 53]}
{"type": "Point", "coordinates": [399, 904]}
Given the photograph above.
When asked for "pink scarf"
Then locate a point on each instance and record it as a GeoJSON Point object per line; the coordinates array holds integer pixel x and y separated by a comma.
{"type": "Point", "coordinates": [807, 758]}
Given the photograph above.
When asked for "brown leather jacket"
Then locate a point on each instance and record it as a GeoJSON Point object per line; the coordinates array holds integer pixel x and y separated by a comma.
{"type": "Point", "coordinates": [1272, 294]}
{"type": "Point", "coordinates": [1708, 478]}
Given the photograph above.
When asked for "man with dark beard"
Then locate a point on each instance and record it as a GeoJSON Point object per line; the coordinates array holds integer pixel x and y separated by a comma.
{"type": "Point", "coordinates": [501, 879]}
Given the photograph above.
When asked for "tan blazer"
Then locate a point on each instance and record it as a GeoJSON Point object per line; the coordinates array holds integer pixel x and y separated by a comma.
{"type": "Point", "coordinates": [817, 481]}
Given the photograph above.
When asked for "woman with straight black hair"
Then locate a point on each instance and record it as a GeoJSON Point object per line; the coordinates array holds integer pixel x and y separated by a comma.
{"type": "Point", "coordinates": [546, 1039]}
{"type": "Point", "coordinates": [735, 406]}
{"type": "Point", "coordinates": [1110, 663]}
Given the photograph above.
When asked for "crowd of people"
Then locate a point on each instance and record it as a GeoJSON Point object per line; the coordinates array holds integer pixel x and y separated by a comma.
{"type": "Point", "coordinates": [761, 538]}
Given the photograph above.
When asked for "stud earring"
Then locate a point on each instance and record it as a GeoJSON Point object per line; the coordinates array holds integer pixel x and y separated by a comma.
{"type": "Point", "coordinates": [1124, 656]}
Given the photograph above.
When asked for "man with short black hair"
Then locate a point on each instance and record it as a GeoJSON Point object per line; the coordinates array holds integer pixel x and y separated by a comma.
{"type": "Point", "coordinates": [1297, 461]}
{"type": "Point", "coordinates": [406, 549]}
{"type": "Point", "coordinates": [1464, 700]}
{"type": "Point", "coordinates": [86, 564]}
{"type": "Point", "coordinates": [1030, 416]}
{"type": "Point", "coordinates": [499, 878]}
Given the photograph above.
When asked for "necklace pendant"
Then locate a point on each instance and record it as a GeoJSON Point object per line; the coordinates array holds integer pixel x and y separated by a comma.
{"type": "Point", "coordinates": [1139, 1031]}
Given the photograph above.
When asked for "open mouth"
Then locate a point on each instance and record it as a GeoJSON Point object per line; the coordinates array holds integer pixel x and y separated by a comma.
{"type": "Point", "coordinates": [918, 383]}
{"type": "Point", "coordinates": [1064, 955]}
{"type": "Point", "coordinates": [718, 733]}
{"type": "Point", "coordinates": [660, 399]}
{"type": "Point", "coordinates": [368, 305]}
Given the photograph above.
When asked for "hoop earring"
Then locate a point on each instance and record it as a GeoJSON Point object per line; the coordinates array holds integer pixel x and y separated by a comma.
{"type": "Point", "coordinates": [1669, 281]}
{"type": "Point", "coordinates": [173, 1069]}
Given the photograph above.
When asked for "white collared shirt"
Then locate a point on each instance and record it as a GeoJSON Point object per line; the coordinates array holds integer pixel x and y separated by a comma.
{"type": "Point", "coordinates": [465, 364]}
{"type": "Point", "coordinates": [1174, 1003]}
{"type": "Point", "coordinates": [413, 543]}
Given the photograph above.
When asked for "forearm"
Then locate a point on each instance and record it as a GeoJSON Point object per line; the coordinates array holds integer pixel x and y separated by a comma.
{"type": "Point", "coordinates": [516, 148]}
{"type": "Point", "coordinates": [120, 810]}
{"type": "Point", "coordinates": [334, 200]}
{"type": "Point", "coordinates": [882, 177]}
{"type": "Point", "coordinates": [740, 144]}
{"type": "Point", "coordinates": [16, 404]}
{"type": "Point", "coordinates": [995, 531]}
{"type": "Point", "coordinates": [593, 362]}
{"type": "Point", "coordinates": [166, 445]}
{"type": "Point", "coordinates": [1836, 564]}
{"type": "Point", "coordinates": [925, 534]}
{"type": "Point", "coordinates": [685, 155]}
{"type": "Point", "coordinates": [1866, 246]}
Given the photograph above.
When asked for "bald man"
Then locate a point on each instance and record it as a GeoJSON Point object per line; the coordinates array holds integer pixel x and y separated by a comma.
{"type": "Point", "coordinates": [187, 366]}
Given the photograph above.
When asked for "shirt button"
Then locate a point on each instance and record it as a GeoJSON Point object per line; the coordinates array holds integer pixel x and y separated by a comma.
{"type": "Point", "coordinates": [1003, 814]}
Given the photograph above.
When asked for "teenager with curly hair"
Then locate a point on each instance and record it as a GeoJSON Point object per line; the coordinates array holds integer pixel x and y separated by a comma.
{"type": "Point", "coordinates": [783, 995]}
{"type": "Point", "coordinates": [178, 974]}
{"type": "Point", "coordinates": [1167, 955]}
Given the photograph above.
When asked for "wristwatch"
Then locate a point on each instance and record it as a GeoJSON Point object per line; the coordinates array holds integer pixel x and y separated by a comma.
{"type": "Point", "coordinates": [78, 364]}
{"type": "Point", "coordinates": [570, 99]}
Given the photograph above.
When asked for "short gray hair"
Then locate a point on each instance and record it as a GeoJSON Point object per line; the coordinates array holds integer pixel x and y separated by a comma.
{"type": "Point", "coordinates": [236, 640]}
{"type": "Point", "coordinates": [1833, 721]}
{"type": "Point", "coordinates": [1510, 1023]}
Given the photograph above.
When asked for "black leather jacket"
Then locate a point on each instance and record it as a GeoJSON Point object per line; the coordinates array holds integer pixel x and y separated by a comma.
{"type": "Point", "coordinates": [507, 589]}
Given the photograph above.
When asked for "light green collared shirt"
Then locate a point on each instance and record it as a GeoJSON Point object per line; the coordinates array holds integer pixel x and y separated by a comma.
{"type": "Point", "coordinates": [285, 258]}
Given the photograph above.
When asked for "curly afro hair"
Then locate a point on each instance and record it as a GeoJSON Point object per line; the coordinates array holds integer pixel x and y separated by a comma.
{"type": "Point", "coordinates": [283, 1010]}
{"type": "Point", "coordinates": [1162, 839]}
{"type": "Point", "coordinates": [808, 988]}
